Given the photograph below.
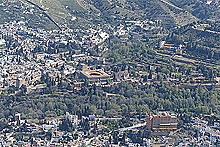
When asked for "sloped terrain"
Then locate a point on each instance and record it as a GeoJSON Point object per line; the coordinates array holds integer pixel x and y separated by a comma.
{"type": "Point", "coordinates": [200, 8]}
{"type": "Point", "coordinates": [201, 42]}
{"type": "Point", "coordinates": [162, 10]}
{"type": "Point", "coordinates": [21, 11]}
{"type": "Point", "coordinates": [110, 11]}
{"type": "Point", "coordinates": [83, 12]}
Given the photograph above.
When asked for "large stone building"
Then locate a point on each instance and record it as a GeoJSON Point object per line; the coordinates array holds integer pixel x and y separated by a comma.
{"type": "Point", "coordinates": [162, 122]}
{"type": "Point", "coordinates": [95, 76]}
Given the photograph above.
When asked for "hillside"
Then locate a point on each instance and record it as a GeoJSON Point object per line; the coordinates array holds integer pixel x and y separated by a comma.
{"type": "Point", "coordinates": [80, 13]}
{"type": "Point", "coordinates": [22, 11]}
{"type": "Point", "coordinates": [110, 11]}
{"type": "Point", "coordinates": [200, 8]}
{"type": "Point", "coordinates": [200, 39]}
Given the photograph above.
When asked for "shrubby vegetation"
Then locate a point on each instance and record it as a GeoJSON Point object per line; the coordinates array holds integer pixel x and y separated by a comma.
{"type": "Point", "coordinates": [199, 42]}
{"type": "Point", "coordinates": [132, 99]}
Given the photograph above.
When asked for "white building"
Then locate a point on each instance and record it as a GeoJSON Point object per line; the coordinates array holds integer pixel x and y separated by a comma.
{"type": "Point", "coordinates": [73, 119]}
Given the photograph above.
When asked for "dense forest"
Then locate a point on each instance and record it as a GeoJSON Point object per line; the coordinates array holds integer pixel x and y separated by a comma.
{"type": "Point", "coordinates": [132, 98]}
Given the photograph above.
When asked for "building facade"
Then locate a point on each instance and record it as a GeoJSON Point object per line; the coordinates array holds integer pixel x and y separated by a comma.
{"type": "Point", "coordinates": [163, 121]}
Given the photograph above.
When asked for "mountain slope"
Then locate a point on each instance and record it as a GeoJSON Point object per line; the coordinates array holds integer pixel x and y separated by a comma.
{"type": "Point", "coordinates": [200, 8]}
{"type": "Point", "coordinates": [110, 11]}
{"type": "Point", "coordinates": [171, 13]}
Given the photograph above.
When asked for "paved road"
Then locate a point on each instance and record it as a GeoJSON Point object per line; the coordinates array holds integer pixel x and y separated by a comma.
{"type": "Point", "coordinates": [132, 127]}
